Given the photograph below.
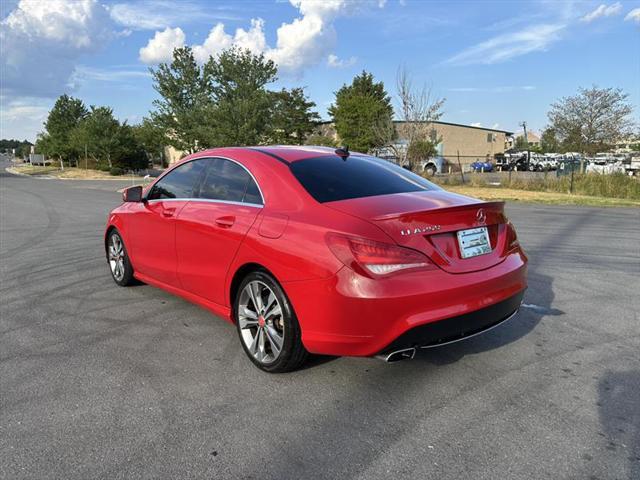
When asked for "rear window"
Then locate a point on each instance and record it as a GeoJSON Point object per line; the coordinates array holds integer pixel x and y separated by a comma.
{"type": "Point", "coordinates": [329, 179]}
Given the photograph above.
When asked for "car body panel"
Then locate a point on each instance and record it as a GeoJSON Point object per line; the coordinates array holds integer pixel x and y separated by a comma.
{"type": "Point", "coordinates": [208, 236]}
{"type": "Point", "coordinates": [155, 255]}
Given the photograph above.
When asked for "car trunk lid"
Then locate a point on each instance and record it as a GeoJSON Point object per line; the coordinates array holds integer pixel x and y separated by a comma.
{"type": "Point", "coordinates": [429, 222]}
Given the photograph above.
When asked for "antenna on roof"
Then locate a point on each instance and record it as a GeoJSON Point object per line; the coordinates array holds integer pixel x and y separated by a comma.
{"type": "Point", "coordinates": [343, 152]}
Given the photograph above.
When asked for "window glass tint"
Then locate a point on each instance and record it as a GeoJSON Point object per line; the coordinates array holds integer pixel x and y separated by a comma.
{"type": "Point", "coordinates": [226, 180]}
{"type": "Point", "coordinates": [178, 183]}
{"type": "Point", "coordinates": [252, 195]}
{"type": "Point", "coordinates": [329, 179]}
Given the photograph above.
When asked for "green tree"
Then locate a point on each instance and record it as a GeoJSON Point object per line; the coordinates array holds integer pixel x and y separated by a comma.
{"type": "Point", "coordinates": [320, 139]}
{"type": "Point", "coordinates": [292, 118]}
{"type": "Point", "coordinates": [419, 150]}
{"type": "Point", "coordinates": [184, 109]}
{"type": "Point", "coordinates": [549, 141]}
{"type": "Point", "coordinates": [22, 149]}
{"type": "Point", "coordinates": [359, 112]}
{"type": "Point", "coordinates": [242, 104]}
{"type": "Point", "coordinates": [64, 117]}
{"type": "Point", "coordinates": [151, 138]}
{"type": "Point", "coordinates": [593, 120]}
{"type": "Point", "coordinates": [104, 139]}
{"type": "Point", "coordinates": [97, 134]}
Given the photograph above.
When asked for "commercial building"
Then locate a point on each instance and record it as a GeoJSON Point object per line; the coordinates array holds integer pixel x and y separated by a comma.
{"type": "Point", "coordinates": [469, 142]}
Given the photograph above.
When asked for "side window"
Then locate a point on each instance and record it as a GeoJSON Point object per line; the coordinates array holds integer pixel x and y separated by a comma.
{"type": "Point", "coordinates": [226, 180]}
{"type": "Point", "coordinates": [179, 182]}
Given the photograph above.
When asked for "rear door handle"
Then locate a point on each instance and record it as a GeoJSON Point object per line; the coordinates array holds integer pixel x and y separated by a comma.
{"type": "Point", "coordinates": [226, 222]}
{"type": "Point", "coordinates": [168, 212]}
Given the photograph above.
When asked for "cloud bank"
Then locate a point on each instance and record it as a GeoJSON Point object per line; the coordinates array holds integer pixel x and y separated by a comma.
{"type": "Point", "coordinates": [40, 43]}
{"type": "Point", "coordinates": [306, 41]}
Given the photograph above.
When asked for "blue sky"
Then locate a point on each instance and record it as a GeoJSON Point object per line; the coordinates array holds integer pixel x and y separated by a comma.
{"type": "Point", "coordinates": [497, 63]}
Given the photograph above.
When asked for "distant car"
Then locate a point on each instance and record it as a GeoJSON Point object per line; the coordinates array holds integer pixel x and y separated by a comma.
{"type": "Point", "coordinates": [311, 249]}
{"type": "Point", "coordinates": [481, 166]}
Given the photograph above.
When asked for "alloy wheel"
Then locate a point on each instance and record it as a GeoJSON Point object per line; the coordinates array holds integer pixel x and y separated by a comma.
{"type": "Point", "coordinates": [261, 323]}
{"type": "Point", "coordinates": [116, 257]}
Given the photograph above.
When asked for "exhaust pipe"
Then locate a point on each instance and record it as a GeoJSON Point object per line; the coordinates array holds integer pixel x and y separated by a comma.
{"type": "Point", "coordinates": [398, 355]}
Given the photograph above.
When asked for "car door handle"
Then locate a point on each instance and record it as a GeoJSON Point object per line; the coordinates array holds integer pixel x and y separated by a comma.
{"type": "Point", "coordinates": [168, 212]}
{"type": "Point", "coordinates": [225, 222]}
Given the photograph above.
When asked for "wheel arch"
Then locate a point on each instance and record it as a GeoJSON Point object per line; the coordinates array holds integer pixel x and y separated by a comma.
{"type": "Point", "coordinates": [107, 232]}
{"type": "Point", "coordinates": [239, 274]}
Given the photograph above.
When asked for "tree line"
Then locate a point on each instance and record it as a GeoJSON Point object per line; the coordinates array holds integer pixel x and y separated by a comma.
{"type": "Point", "coordinates": [229, 101]}
{"type": "Point", "coordinates": [21, 148]}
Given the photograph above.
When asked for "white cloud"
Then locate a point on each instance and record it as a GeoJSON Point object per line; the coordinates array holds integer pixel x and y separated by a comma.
{"type": "Point", "coordinates": [495, 126]}
{"type": "Point", "coordinates": [633, 15]}
{"type": "Point", "coordinates": [218, 40]}
{"type": "Point", "coordinates": [160, 47]}
{"type": "Point", "coordinates": [509, 45]}
{"type": "Point", "coordinates": [40, 43]}
{"type": "Point", "coordinates": [476, 124]}
{"type": "Point", "coordinates": [602, 11]}
{"type": "Point", "coordinates": [334, 62]}
{"type": "Point", "coordinates": [160, 14]}
{"type": "Point", "coordinates": [108, 74]}
{"type": "Point", "coordinates": [307, 40]}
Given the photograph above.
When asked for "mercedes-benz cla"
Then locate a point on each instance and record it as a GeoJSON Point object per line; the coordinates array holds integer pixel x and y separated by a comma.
{"type": "Point", "coordinates": [316, 250]}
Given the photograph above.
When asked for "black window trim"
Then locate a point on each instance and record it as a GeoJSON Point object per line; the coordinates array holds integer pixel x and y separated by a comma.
{"type": "Point", "coordinates": [209, 200]}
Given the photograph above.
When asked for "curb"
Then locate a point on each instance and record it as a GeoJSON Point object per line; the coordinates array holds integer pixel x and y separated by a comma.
{"type": "Point", "coordinates": [13, 171]}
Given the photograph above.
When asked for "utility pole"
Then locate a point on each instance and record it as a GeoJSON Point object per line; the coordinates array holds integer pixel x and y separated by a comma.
{"type": "Point", "coordinates": [526, 141]}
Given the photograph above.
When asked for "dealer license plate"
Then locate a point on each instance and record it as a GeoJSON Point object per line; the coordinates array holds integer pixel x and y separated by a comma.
{"type": "Point", "coordinates": [474, 242]}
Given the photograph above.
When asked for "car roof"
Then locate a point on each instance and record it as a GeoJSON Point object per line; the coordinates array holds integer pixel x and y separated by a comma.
{"type": "Point", "coordinates": [283, 153]}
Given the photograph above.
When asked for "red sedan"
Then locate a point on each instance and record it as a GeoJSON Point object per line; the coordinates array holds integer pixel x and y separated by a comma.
{"type": "Point", "coordinates": [315, 250]}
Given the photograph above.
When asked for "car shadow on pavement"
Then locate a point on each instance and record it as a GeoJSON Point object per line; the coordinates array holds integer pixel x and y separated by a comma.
{"type": "Point", "coordinates": [619, 411]}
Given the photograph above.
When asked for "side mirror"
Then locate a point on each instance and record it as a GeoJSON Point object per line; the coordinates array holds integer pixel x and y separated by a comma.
{"type": "Point", "coordinates": [132, 194]}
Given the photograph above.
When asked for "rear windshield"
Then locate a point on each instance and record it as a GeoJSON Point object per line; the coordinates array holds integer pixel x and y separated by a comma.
{"type": "Point", "coordinates": [329, 179]}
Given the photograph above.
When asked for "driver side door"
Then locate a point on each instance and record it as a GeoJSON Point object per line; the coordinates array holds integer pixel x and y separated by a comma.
{"type": "Point", "coordinates": [152, 229]}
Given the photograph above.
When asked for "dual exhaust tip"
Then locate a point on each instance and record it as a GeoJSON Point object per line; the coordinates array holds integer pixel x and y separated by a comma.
{"type": "Point", "coordinates": [399, 355]}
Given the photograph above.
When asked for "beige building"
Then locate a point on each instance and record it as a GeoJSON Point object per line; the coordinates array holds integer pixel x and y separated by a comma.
{"type": "Point", "coordinates": [470, 142]}
{"type": "Point", "coordinates": [532, 138]}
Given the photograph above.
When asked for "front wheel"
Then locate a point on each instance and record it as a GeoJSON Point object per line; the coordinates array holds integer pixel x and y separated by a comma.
{"type": "Point", "coordinates": [121, 269]}
{"type": "Point", "coordinates": [267, 325]}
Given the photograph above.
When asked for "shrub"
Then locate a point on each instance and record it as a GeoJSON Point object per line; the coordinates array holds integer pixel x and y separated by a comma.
{"type": "Point", "coordinates": [116, 171]}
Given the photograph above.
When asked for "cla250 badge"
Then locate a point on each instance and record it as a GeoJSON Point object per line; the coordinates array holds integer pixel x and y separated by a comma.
{"type": "Point", "coordinates": [428, 228]}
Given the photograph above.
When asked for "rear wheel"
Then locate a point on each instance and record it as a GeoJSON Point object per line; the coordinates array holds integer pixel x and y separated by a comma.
{"type": "Point", "coordinates": [267, 325]}
{"type": "Point", "coordinates": [119, 264]}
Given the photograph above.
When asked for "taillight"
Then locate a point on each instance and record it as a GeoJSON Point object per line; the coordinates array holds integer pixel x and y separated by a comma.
{"type": "Point", "coordinates": [512, 237]}
{"type": "Point", "coordinates": [372, 258]}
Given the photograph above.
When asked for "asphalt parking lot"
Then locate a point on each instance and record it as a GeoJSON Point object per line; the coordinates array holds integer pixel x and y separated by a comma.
{"type": "Point", "coordinates": [98, 381]}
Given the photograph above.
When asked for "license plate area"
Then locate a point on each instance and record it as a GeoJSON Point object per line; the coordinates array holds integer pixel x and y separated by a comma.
{"type": "Point", "coordinates": [474, 242]}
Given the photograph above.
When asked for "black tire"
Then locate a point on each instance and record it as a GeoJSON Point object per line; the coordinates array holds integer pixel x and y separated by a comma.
{"type": "Point", "coordinates": [430, 170]}
{"type": "Point", "coordinates": [293, 354]}
{"type": "Point", "coordinates": [125, 278]}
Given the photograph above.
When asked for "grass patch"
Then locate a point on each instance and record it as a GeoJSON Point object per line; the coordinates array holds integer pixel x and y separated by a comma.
{"type": "Point", "coordinates": [548, 198]}
{"type": "Point", "coordinates": [617, 186]}
{"type": "Point", "coordinates": [72, 173]}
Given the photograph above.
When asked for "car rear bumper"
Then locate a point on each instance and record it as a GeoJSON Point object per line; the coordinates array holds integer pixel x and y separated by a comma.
{"type": "Point", "coordinates": [352, 315]}
{"type": "Point", "coordinates": [456, 328]}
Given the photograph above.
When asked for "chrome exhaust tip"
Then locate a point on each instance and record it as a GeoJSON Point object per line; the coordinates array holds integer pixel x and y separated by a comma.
{"type": "Point", "coordinates": [399, 355]}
